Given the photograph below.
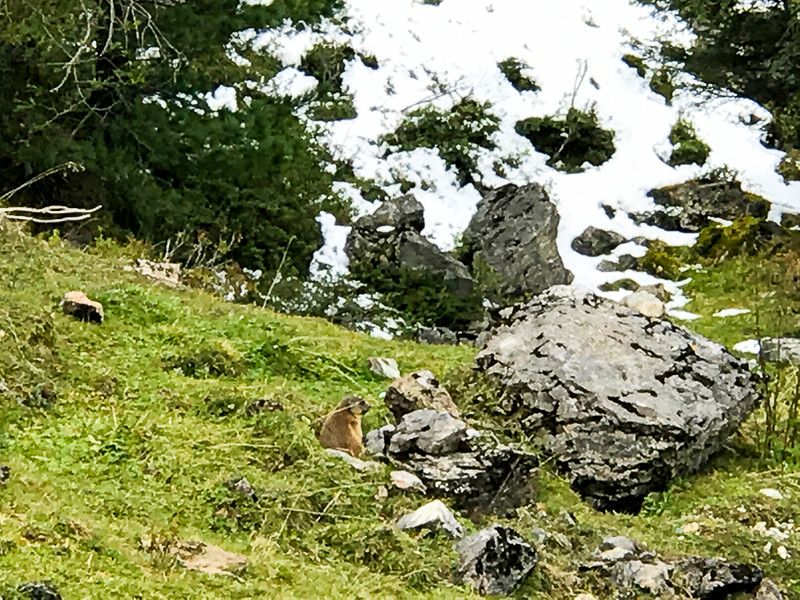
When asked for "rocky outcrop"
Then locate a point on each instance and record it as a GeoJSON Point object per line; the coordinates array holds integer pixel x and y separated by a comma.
{"type": "Point", "coordinates": [513, 237]}
{"type": "Point", "coordinates": [416, 391]}
{"type": "Point", "coordinates": [627, 402]}
{"type": "Point", "coordinates": [595, 242]}
{"type": "Point", "coordinates": [78, 305]}
{"type": "Point", "coordinates": [688, 206]}
{"type": "Point", "coordinates": [495, 561]}
{"type": "Point", "coordinates": [454, 461]}
{"type": "Point", "coordinates": [389, 242]}
{"type": "Point", "coordinates": [39, 590]}
{"type": "Point", "coordinates": [628, 564]}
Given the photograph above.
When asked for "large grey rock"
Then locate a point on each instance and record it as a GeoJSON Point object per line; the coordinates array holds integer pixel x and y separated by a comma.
{"type": "Point", "coordinates": [688, 206]}
{"type": "Point", "coordinates": [388, 242]}
{"type": "Point", "coordinates": [495, 561]}
{"type": "Point", "coordinates": [416, 391]}
{"type": "Point", "coordinates": [514, 234]}
{"type": "Point", "coordinates": [434, 516]}
{"type": "Point", "coordinates": [781, 350]}
{"type": "Point", "coordinates": [594, 241]}
{"type": "Point", "coordinates": [627, 402]}
{"type": "Point", "coordinates": [429, 432]}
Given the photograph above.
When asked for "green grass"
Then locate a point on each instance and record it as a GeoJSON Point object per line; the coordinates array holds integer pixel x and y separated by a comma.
{"type": "Point", "coordinates": [154, 410]}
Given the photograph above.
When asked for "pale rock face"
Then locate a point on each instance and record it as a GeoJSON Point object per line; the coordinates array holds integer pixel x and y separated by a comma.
{"type": "Point", "coordinates": [418, 390]}
{"type": "Point", "coordinates": [383, 367]}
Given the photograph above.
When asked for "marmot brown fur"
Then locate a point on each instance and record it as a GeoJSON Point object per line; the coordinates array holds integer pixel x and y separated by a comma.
{"type": "Point", "coordinates": [342, 428]}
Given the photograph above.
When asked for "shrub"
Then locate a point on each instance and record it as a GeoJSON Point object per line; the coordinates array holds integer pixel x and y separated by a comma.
{"type": "Point", "coordinates": [513, 69]}
{"type": "Point", "coordinates": [663, 84]}
{"type": "Point", "coordinates": [636, 62]}
{"type": "Point", "coordinates": [571, 142]}
{"type": "Point", "coordinates": [687, 147]}
{"type": "Point", "coordinates": [457, 134]}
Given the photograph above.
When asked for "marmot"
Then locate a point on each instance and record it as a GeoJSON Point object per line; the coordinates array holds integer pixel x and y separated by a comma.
{"type": "Point", "coordinates": [342, 428]}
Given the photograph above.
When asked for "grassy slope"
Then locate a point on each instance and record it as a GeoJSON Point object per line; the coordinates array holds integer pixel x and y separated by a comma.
{"type": "Point", "coordinates": [151, 419]}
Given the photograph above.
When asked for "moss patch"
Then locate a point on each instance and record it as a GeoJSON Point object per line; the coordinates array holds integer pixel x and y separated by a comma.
{"type": "Point", "coordinates": [570, 142]}
{"type": "Point", "coordinates": [636, 62]}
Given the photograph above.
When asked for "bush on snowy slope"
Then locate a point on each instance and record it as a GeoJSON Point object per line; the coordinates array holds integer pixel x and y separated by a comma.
{"type": "Point", "coordinates": [570, 142]}
{"type": "Point", "coordinates": [687, 147]}
{"type": "Point", "coordinates": [457, 134]}
{"type": "Point", "coordinates": [751, 48]}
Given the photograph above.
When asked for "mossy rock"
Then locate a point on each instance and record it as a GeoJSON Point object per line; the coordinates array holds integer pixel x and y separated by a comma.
{"type": "Point", "coordinates": [661, 260]}
{"type": "Point", "coordinates": [636, 62]}
{"type": "Point", "coordinates": [570, 142]}
{"type": "Point", "coordinates": [687, 147]}
{"type": "Point", "coordinates": [747, 235]}
{"type": "Point", "coordinates": [790, 166]}
{"type": "Point", "coordinates": [512, 68]}
{"type": "Point", "coordinates": [621, 284]}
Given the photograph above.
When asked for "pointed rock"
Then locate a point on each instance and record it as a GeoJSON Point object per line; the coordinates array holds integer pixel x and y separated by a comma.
{"type": "Point", "coordinates": [434, 516]}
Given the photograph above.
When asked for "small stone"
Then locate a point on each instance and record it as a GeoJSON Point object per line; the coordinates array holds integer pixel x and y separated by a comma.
{"type": "Point", "coordinates": [381, 493]}
{"type": "Point", "coordinates": [496, 560]}
{"type": "Point", "coordinates": [621, 541]}
{"type": "Point", "coordinates": [768, 591]}
{"type": "Point", "coordinates": [771, 493]}
{"type": "Point", "coordinates": [692, 527]}
{"type": "Point", "coordinates": [594, 241]}
{"type": "Point", "coordinates": [365, 466]}
{"type": "Point", "coordinates": [653, 577]}
{"type": "Point", "coordinates": [435, 516]}
{"type": "Point", "coordinates": [416, 391]}
{"type": "Point", "coordinates": [585, 597]}
{"type": "Point", "coordinates": [5, 473]}
{"type": "Point", "coordinates": [241, 486]}
{"type": "Point", "coordinates": [783, 552]}
{"type": "Point", "coordinates": [39, 590]}
{"type": "Point", "coordinates": [646, 303]}
{"type": "Point", "coordinates": [407, 481]}
{"type": "Point", "coordinates": [78, 305]}
{"type": "Point", "coordinates": [383, 367]}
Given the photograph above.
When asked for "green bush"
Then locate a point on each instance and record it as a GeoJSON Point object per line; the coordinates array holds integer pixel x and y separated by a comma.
{"type": "Point", "coordinates": [663, 84]}
{"type": "Point", "coordinates": [512, 68]}
{"type": "Point", "coordinates": [635, 62]}
{"type": "Point", "coordinates": [570, 142]}
{"type": "Point", "coordinates": [687, 147]}
{"type": "Point", "coordinates": [326, 62]}
{"type": "Point", "coordinates": [456, 133]}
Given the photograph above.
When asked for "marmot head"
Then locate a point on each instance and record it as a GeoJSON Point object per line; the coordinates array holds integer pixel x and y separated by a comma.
{"type": "Point", "coordinates": [354, 404]}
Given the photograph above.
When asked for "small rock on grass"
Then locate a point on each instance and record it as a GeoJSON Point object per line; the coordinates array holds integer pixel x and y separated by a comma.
{"type": "Point", "coordinates": [39, 590]}
{"type": "Point", "coordinates": [434, 516]}
{"type": "Point", "coordinates": [78, 305]}
{"type": "Point", "coordinates": [496, 560]}
{"type": "Point", "coordinates": [5, 473]}
{"type": "Point", "coordinates": [646, 303]}
{"type": "Point", "coordinates": [365, 466]}
{"type": "Point", "coordinates": [768, 591]}
{"type": "Point", "coordinates": [407, 481]}
{"type": "Point", "coordinates": [383, 367]}
{"type": "Point", "coordinates": [768, 492]}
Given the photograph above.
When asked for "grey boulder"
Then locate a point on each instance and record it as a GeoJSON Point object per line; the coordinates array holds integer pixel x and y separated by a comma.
{"type": "Point", "coordinates": [594, 241]}
{"type": "Point", "coordinates": [416, 391]}
{"type": "Point", "coordinates": [513, 233]}
{"type": "Point", "coordinates": [495, 561]}
{"type": "Point", "coordinates": [626, 403]}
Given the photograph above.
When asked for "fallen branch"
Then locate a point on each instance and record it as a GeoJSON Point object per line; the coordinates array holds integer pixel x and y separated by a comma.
{"type": "Point", "coordinates": [48, 214]}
